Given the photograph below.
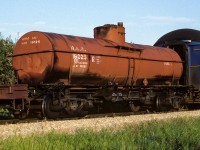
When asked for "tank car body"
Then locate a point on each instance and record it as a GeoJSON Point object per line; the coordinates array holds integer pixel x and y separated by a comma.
{"type": "Point", "coordinates": [71, 75]}
{"type": "Point", "coordinates": [74, 73]}
{"type": "Point", "coordinates": [106, 59]}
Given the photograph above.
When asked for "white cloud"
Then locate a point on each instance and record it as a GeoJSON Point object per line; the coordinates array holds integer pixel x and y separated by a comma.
{"type": "Point", "coordinates": [13, 24]}
{"type": "Point", "coordinates": [17, 29]}
{"type": "Point", "coordinates": [34, 25]}
{"type": "Point", "coordinates": [22, 24]}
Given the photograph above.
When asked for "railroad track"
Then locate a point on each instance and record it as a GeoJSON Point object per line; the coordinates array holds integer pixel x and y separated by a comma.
{"type": "Point", "coordinates": [16, 121]}
{"type": "Point", "coordinates": [90, 116]}
{"type": "Point", "coordinates": [32, 120]}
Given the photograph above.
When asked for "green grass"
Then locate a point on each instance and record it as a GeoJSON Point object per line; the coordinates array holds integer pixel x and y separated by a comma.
{"type": "Point", "coordinates": [173, 134]}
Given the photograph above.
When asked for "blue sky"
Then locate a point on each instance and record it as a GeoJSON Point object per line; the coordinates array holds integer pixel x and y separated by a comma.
{"type": "Point", "coordinates": [145, 21]}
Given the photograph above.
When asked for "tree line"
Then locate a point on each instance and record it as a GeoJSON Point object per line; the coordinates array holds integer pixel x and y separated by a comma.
{"type": "Point", "coordinates": [6, 71]}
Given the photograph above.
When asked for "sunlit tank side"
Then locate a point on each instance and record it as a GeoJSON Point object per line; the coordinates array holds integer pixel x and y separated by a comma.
{"type": "Point", "coordinates": [33, 57]}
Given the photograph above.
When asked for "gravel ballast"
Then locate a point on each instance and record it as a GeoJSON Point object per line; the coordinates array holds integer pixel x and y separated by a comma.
{"type": "Point", "coordinates": [96, 124]}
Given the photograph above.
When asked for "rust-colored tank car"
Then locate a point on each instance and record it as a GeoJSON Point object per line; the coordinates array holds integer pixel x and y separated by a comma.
{"type": "Point", "coordinates": [104, 59]}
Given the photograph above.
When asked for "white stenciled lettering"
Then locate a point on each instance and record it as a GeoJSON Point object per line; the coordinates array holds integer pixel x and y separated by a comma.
{"type": "Point", "coordinates": [93, 58]}
{"type": "Point", "coordinates": [24, 43]}
{"type": "Point", "coordinates": [25, 39]}
{"type": "Point", "coordinates": [34, 38]}
{"type": "Point", "coordinates": [79, 60]}
{"type": "Point", "coordinates": [96, 59]}
{"type": "Point", "coordinates": [35, 42]}
{"type": "Point", "coordinates": [167, 63]}
{"type": "Point", "coordinates": [72, 48]}
{"type": "Point", "coordinates": [78, 48]}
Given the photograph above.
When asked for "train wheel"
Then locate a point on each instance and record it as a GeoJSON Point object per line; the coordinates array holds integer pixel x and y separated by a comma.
{"type": "Point", "coordinates": [159, 106]}
{"type": "Point", "coordinates": [75, 108]}
{"type": "Point", "coordinates": [48, 108]}
{"type": "Point", "coordinates": [134, 106]}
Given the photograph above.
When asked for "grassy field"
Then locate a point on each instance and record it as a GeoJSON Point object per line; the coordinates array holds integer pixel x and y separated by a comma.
{"type": "Point", "coordinates": [173, 134]}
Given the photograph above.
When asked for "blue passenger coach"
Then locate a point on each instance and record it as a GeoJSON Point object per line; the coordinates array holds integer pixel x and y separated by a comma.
{"type": "Point", "coordinates": [186, 42]}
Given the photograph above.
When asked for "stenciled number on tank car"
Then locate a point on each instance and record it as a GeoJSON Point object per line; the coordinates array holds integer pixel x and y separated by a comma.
{"type": "Point", "coordinates": [80, 60]}
{"type": "Point", "coordinates": [35, 42]}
